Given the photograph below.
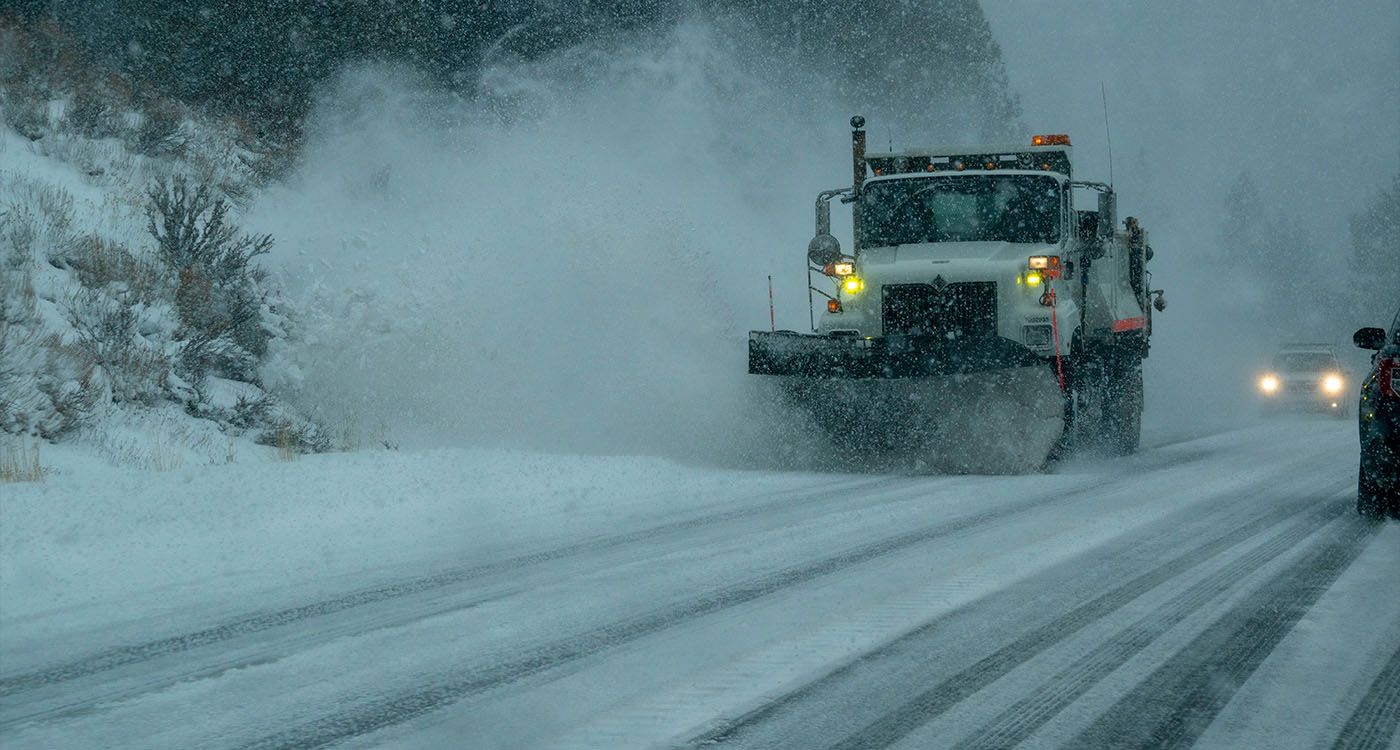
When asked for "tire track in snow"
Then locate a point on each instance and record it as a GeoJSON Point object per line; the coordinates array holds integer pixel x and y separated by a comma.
{"type": "Point", "coordinates": [1374, 722]}
{"type": "Point", "coordinates": [262, 621]}
{"type": "Point", "coordinates": [257, 622]}
{"type": "Point", "coordinates": [827, 499]}
{"type": "Point", "coordinates": [936, 700]}
{"type": "Point", "coordinates": [1173, 705]}
{"type": "Point", "coordinates": [397, 709]}
{"type": "Point", "coordinates": [1019, 721]}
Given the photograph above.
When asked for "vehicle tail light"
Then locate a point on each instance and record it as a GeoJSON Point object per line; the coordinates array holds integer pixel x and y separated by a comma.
{"type": "Point", "coordinates": [1388, 377]}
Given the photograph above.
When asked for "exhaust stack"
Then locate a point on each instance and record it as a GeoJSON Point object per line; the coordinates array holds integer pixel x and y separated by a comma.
{"type": "Point", "coordinates": [858, 152]}
{"type": "Point", "coordinates": [857, 177]}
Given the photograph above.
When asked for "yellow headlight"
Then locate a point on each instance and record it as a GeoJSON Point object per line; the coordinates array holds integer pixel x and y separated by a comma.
{"type": "Point", "coordinates": [1033, 278]}
{"type": "Point", "coordinates": [1268, 383]}
{"type": "Point", "coordinates": [852, 284]}
{"type": "Point", "coordinates": [1332, 384]}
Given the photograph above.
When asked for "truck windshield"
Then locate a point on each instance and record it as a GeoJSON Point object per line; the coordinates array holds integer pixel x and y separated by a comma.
{"type": "Point", "coordinates": [971, 208]}
{"type": "Point", "coordinates": [1305, 361]}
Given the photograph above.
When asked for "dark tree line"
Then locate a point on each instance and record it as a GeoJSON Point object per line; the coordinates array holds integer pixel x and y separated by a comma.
{"type": "Point", "coordinates": [1375, 242]}
{"type": "Point", "coordinates": [1277, 270]}
{"type": "Point", "coordinates": [263, 59]}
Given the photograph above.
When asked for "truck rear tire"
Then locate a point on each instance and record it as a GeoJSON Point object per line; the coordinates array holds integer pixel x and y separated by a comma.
{"type": "Point", "coordinates": [1123, 409]}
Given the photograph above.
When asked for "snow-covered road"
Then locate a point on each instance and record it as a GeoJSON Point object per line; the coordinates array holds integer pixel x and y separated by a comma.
{"type": "Point", "coordinates": [1217, 592]}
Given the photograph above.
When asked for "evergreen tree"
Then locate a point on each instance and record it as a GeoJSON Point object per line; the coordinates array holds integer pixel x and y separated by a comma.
{"type": "Point", "coordinates": [1375, 243]}
{"type": "Point", "coordinates": [1245, 225]}
{"type": "Point", "coordinates": [926, 66]}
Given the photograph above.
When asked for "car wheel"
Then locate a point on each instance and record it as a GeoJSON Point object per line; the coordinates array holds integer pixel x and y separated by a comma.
{"type": "Point", "coordinates": [1370, 499]}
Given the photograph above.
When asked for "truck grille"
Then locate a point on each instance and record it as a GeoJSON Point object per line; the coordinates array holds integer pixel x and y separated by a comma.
{"type": "Point", "coordinates": [955, 310]}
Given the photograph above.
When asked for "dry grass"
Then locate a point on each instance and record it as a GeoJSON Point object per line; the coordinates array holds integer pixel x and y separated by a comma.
{"type": "Point", "coordinates": [99, 262]}
{"type": "Point", "coordinates": [18, 464]}
{"type": "Point", "coordinates": [164, 456]}
{"type": "Point", "coordinates": [286, 442]}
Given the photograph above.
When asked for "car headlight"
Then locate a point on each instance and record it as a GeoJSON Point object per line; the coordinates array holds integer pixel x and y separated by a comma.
{"type": "Point", "coordinates": [1332, 384]}
{"type": "Point", "coordinates": [1269, 384]}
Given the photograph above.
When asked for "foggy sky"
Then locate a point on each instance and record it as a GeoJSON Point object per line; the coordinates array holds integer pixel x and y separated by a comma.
{"type": "Point", "coordinates": [1305, 95]}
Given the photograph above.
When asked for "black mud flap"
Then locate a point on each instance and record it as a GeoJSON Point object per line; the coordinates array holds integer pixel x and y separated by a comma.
{"type": "Point", "coordinates": [805, 355]}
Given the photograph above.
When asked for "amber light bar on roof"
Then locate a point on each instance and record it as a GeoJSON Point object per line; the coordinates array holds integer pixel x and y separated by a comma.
{"type": "Point", "coordinates": [1059, 139]}
{"type": "Point", "coordinates": [1055, 160]}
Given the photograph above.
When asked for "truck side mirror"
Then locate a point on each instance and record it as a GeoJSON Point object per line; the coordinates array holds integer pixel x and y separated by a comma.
{"type": "Point", "coordinates": [1088, 227]}
{"type": "Point", "coordinates": [1369, 338]}
{"type": "Point", "coordinates": [823, 249]}
{"type": "Point", "coordinates": [1108, 213]}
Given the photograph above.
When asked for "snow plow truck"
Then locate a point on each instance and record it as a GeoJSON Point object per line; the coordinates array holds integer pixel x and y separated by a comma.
{"type": "Point", "coordinates": [980, 322]}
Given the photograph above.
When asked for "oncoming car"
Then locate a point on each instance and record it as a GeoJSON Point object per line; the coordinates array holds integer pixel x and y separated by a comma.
{"type": "Point", "coordinates": [1378, 484]}
{"type": "Point", "coordinates": [1305, 377]}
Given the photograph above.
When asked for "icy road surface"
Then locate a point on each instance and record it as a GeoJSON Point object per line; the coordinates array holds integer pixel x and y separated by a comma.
{"type": "Point", "coordinates": [1217, 592]}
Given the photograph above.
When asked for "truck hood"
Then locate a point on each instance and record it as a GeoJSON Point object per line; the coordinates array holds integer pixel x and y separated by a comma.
{"type": "Point", "coordinates": [935, 254]}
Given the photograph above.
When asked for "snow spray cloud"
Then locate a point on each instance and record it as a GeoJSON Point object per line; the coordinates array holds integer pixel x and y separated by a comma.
{"type": "Point", "coordinates": [568, 260]}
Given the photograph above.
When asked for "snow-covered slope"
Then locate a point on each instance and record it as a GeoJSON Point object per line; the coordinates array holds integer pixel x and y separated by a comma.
{"type": "Point", "coordinates": [94, 345]}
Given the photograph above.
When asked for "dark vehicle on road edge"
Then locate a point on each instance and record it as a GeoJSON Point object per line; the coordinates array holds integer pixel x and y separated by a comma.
{"type": "Point", "coordinates": [1378, 486]}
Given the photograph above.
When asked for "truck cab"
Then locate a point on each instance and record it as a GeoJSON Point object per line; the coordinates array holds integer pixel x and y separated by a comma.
{"type": "Point", "coordinates": [986, 241]}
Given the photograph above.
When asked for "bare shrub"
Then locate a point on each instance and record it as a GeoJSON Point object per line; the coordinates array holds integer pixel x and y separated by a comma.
{"type": "Point", "coordinates": [249, 412]}
{"type": "Point", "coordinates": [292, 439]}
{"type": "Point", "coordinates": [19, 347]}
{"type": "Point", "coordinates": [218, 290]}
{"type": "Point", "coordinates": [19, 231]}
{"type": "Point", "coordinates": [191, 232]}
{"type": "Point", "coordinates": [160, 132]}
{"type": "Point", "coordinates": [40, 55]}
{"type": "Point", "coordinates": [68, 379]}
{"type": "Point", "coordinates": [135, 371]}
{"type": "Point", "coordinates": [92, 111]}
{"type": "Point", "coordinates": [28, 116]}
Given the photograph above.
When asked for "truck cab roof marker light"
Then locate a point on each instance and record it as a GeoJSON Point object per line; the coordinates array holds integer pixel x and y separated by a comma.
{"type": "Point", "coordinates": [1058, 139]}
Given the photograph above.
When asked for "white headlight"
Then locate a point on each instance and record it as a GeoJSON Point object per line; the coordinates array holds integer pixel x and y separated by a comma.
{"type": "Point", "coordinates": [1268, 383]}
{"type": "Point", "coordinates": [1332, 383]}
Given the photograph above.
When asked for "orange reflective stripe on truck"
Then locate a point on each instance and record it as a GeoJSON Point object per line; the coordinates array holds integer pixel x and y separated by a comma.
{"type": "Point", "coordinates": [1130, 324]}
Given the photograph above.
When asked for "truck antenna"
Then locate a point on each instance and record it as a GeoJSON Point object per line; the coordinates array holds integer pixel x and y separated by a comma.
{"type": "Point", "coordinates": [1107, 134]}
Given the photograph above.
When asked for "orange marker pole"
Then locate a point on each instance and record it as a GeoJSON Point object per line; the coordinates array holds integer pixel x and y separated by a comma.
{"type": "Point", "coordinates": [772, 320]}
